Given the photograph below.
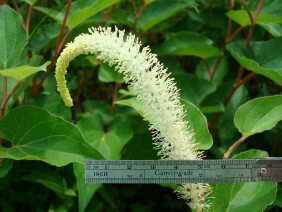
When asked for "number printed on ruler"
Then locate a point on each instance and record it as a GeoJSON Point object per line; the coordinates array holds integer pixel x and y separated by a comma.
{"type": "Point", "coordinates": [168, 171]}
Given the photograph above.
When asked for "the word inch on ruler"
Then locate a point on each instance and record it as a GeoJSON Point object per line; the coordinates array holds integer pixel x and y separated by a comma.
{"type": "Point", "coordinates": [175, 171]}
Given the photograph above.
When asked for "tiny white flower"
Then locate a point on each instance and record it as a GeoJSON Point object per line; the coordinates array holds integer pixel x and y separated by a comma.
{"type": "Point", "coordinates": [152, 86]}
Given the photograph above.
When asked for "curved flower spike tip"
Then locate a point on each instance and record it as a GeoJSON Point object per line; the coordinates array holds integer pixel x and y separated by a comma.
{"type": "Point", "coordinates": [152, 86]}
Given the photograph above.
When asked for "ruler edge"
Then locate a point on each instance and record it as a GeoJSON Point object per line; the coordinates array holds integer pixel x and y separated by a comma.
{"type": "Point", "coordinates": [186, 162]}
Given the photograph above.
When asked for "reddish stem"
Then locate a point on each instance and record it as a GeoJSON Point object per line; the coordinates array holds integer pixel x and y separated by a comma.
{"type": "Point", "coordinates": [246, 79]}
{"type": "Point", "coordinates": [134, 6]}
{"type": "Point", "coordinates": [108, 15]}
{"type": "Point", "coordinates": [248, 11]}
{"type": "Point", "coordinates": [253, 22]}
{"type": "Point", "coordinates": [59, 45]}
{"type": "Point", "coordinates": [207, 67]}
{"type": "Point", "coordinates": [4, 98]}
{"type": "Point", "coordinates": [63, 41]}
{"type": "Point", "coordinates": [234, 34]}
{"type": "Point", "coordinates": [28, 18]}
{"type": "Point", "coordinates": [11, 94]}
{"type": "Point", "coordinates": [239, 75]}
{"type": "Point", "coordinates": [216, 66]}
{"type": "Point", "coordinates": [63, 26]}
{"type": "Point", "coordinates": [233, 147]}
{"type": "Point", "coordinates": [117, 85]}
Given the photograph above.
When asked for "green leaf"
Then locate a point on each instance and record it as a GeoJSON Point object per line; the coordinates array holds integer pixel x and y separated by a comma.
{"type": "Point", "coordinates": [80, 11]}
{"type": "Point", "coordinates": [13, 37]}
{"type": "Point", "coordinates": [84, 9]}
{"type": "Point", "coordinates": [85, 191]}
{"type": "Point", "coordinates": [35, 134]}
{"type": "Point", "coordinates": [227, 129]}
{"type": "Point", "coordinates": [108, 74]}
{"type": "Point", "coordinates": [158, 11]}
{"type": "Point", "coordinates": [188, 43]}
{"type": "Point", "coordinates": [31, 2]}
{"type": "Point", "coordinates": [198, 124]}
{"type": "Point", "coordinates": [258, 115]}
{"type": "Point", "coordinates": [216, 107]}
{"type": "Point", "coordinates": [133, 103]}
{"type": "Point", "coordinates": [269, 18]}
{"type": "Point", "coordinates": [109, 143]}
{"type": "Point", "coordinates": [51, 180]}
{"type": "Point", "coordinates": [101, 108]}
{"type": "Point", "coordinates": [262, 57]}
{"type": "Point", "coordinates": [22, 72]}
{"type": "Point", "coordinates": [5, 167]}
{"type": "Point", "coordinates": [193, 88]}
{"type": "Point", "coordinates": [251, 196]}
{"type": "Point", "coordinates": [241, 17]}
{"type": "Point", "coordinates": [45, 35]}
{"type": "Point", "coordinates": [140, 147]}
{"type": "Point", "coordinates": [54, 104]}
{"type": "Point", "coordinates": [195, 118]}
{"type": "Point", "coordinates": [52, 13]}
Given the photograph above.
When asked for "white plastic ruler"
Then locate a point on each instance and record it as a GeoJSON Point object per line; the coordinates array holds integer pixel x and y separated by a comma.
{"type": "Point", "coordinates": [191, 171]}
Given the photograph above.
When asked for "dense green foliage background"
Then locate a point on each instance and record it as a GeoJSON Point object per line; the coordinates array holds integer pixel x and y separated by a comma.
{"type": "Point", "coordinates": [226, 57]}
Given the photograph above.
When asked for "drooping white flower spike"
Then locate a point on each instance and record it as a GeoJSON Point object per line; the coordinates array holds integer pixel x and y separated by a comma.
{"type": "Point", "coordinates": [152, 86]}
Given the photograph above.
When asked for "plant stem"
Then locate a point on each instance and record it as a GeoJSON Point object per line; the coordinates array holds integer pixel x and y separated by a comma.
{"type": "Point", "coordinates": [5, 86]}
{"type": "Point", "coordinates": [63, 27]}
{"type": "Point", "coordinates": [216, 66]}
{"type": "Point", "coordinates": [134, 6]}
{"type": "Point", "coordinates": [59, 45]}
{"type": "Point", "coordinates": [16, 6]}
{"type": "Point", "coordinates": [108, 15]}
{"type": "Point", "coordinates": [28, 18]}
{"type": "Point", "coordinates": [233, 147]}
{"type": "Point", "coordinates": [248, 11]}
{"type": "Point", "coordinates": [138, 13]}
{"type": "Point", "coordinates": [253, 22]}
{"type": "Point", "coordinates": [239, 75]}
{"type": "Point", "coordinates": [63, 41]}
{"type": "Point", "coordinates": [234, 34]}
{"type": "Point", "coordinates": [7, 97]}
{"type": "Point", "coordinates": [229, 26]}
{"type": "Point", "coordinates": [206, 63]}
{"type": "Point", "coordinates": [117, 85]}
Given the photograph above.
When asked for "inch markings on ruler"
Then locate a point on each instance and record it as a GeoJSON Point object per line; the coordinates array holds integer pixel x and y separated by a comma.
{"type": "Point", "coordinates": [191, 171]}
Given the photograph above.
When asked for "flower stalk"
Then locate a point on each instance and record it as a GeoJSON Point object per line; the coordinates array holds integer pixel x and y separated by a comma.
{"type": "Point", "coordinates": [151, 84]}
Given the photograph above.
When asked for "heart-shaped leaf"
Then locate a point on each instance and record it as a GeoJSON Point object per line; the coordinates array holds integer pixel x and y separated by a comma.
{"type": "Point", "coordinates": [22, 72]}
{"type": "Point", "coordinates": [109, 143]}
{"type": "Point", "coordinates": [251, 196]}
{"type": "Point", "coordinates": [36, 134]}
{"type": "Point", "coordinates": [188, 43]}
{"type": "Point", "coordinates": [258, 115]}
{"type": "Point", "coordinates": [263, 57]}
{"type": "Point", "coordinates": [13, 37]}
